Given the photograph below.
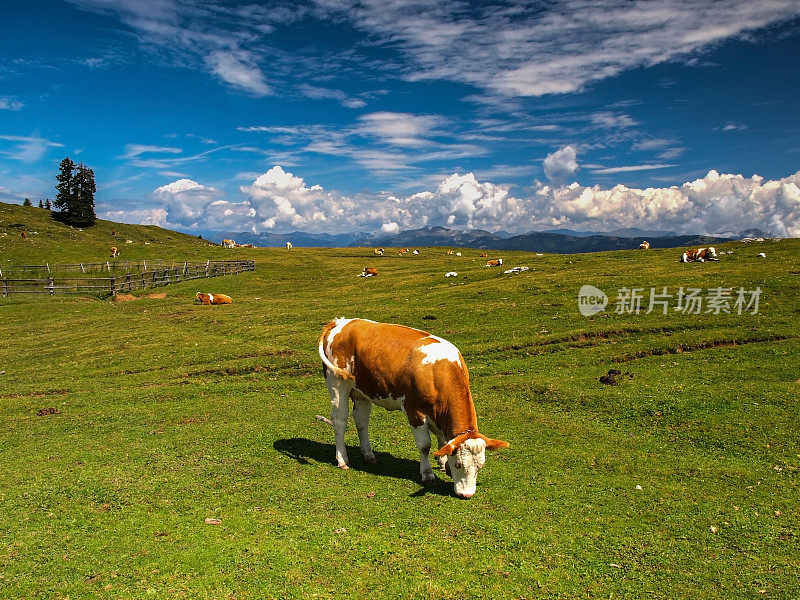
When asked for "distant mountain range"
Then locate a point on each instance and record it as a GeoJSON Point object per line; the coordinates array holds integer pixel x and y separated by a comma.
{"type": "Point", "coordinates": [562, 241]}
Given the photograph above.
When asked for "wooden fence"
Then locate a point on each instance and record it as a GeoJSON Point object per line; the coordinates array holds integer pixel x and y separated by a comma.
{"type": "Point", "coordinates": [115, 277]}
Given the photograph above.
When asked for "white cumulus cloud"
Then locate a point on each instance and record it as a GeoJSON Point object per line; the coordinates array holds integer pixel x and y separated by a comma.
{"type": "Point", "coordinates": [561, 164]}
{"type": "Point", "coordinates": [281, 201]}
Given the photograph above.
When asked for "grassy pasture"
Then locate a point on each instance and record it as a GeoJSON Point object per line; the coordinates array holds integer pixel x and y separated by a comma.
{"type": "Point", "coordinates": [172, 413]}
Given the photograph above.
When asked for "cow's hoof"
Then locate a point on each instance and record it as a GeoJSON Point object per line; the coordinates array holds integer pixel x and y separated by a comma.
{"type": "Point", "coordinates": [371, 460]}
{"type": "Point", "coordinates": [429, 479]}
{"type": "Point", "coordinates": [344, 467]}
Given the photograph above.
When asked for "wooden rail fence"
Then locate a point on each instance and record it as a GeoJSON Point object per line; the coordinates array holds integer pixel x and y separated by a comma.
{"type": "Point", "coordinates": [111, 277]}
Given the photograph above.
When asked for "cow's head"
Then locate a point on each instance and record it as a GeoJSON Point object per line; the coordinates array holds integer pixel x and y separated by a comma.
{"type": "Point", "coordinates": [466, 455]}
{"type": "Point", "coordinates": [711, 253]}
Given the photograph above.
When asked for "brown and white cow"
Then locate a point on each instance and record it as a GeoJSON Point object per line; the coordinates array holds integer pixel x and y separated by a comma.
{"type": "Point", "coordinates": [114, 251]}
{"type": "Point", "coordinates": [645, 245]}
{"type": "Point", "coordinates": [228, 243]}
{"type": "Point", "coordinates": [699, 255]}
{"type": "Point", "coordinates": [369, 272]}
{"type": "Point", "coordinates": [494, 263]}
{"type": "Point", "coordinates": [213, 298]}
{"type": "Point", "coordinates": [288, 245]}
{"type": "Point", "coordinates": [378, 252]}
{"type": "Point", "coordinates": [400, 368]}
{"type": "Point", "coordinates": [484, 255]}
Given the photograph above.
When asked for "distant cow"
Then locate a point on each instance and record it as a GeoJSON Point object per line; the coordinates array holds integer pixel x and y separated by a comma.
{"type": "Point", "coordinates": [415, 252]}
{"type": "Point", "coordinates": [484, 255]}
{"type": "Point", "coordinates": [24, 235]}
{"type": "Point", "coordinates": [113, 233]}
{"type": "Point", "coordinates": [378, 252]}
{"type": "Point", "coordinates": [645, 245]}
{"type": "Point", "coordinates": [369, 272]}
{"type": "Point", "coordinates": [213, 298]}
{"type": "Point", "coordinates": [228, 243]}
{"type": "Point", "coordinates": [114, 251]}
{"type": "Point", "coordinates": [400, 368]}
{"type": "Point", "coordinates": [494, 263]}
{"type": "Point", "coordinates": [699, 255]}
{"type": "Point", "coordinates": [450, 252]}
{"type": "Point", "coordinates": [288, 245]}
{"type": "Point", "coordinates": [451, 274]}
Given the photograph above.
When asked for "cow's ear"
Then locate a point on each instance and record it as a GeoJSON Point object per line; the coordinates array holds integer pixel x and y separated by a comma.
{"type": "Point", "coordinates": [445, 450]}
{"type": "Point", "coordinates": [495, 444]}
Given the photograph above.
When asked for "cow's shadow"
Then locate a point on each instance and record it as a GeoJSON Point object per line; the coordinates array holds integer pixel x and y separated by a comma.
{"type": "Point", "coordinates": [306, 451]}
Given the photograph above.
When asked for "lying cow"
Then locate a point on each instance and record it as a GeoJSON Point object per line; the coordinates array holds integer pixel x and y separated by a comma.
{"type": "Point", "coordinates": [645, 245]}
{"type": "Point", "coordinates": [494, 263]}
{"type": "Point", "coordinates": [213, 298]}
{"type": "Point", "coordinates": [699, 255]}
{"type": "Point", "coordinates": [114, 251]}
{"type": "Point", "coordinates": [378, 252]}
{"type": "Point", "coordinates": [368, 272]}
{"type": "Point", "coordinates": [400, 368]}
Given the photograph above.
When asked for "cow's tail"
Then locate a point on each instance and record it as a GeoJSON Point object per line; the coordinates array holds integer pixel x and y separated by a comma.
{"type": "Point", "coordinates": [328, 364]}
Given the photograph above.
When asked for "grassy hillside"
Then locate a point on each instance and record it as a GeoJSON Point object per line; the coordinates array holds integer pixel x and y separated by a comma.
{"type": "Point", "coordinates": [49, 241]}
{"type": "Point", "coordinates": [680, 482]}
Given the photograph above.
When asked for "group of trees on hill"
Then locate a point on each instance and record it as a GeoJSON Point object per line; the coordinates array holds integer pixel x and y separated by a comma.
{"type": "Point", "coordinates": [74, 203]}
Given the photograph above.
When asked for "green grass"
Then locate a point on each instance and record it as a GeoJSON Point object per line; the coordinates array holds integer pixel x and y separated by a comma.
{"type": "Point", "coordinates": [172, 413]}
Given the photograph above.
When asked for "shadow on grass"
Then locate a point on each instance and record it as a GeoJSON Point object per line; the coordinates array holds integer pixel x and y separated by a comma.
{"type": "Point", "coordinates": [306, 451]}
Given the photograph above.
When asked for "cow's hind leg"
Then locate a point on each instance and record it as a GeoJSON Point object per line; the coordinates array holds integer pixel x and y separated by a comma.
{"type": "Point", "coordinates": [361, 409]}
{"type": "Point", "coordinates": [423, 439]}
{"type": "Point", "coordinates": [339, 389]}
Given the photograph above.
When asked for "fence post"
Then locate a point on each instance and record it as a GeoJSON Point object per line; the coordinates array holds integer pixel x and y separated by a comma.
{"type": "Point", "coordinates": [142, 280]}
{"type": "Point", "coordinates": [128, 281]}
{"type": "Point", "coordinates": [50, 285]}
{"type": "Point", "coordinates": [5, 288]}
{"type": "Point", "coordinates": [82, 269]}
{"type": "Point", "coordinates": [113, 286]}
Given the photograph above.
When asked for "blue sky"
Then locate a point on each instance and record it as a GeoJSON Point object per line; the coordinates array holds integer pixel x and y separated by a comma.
{"type": "Point", "coordinates": [391, 114]}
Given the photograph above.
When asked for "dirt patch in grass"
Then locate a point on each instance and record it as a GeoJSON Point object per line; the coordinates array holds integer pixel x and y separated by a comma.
{"type": "Point", "coordinates": [131, 297]}
{"type": "Point", "coordinates": [48, 411]}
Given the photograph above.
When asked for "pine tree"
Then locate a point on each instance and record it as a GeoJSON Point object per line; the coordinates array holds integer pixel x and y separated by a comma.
{"type": "Point", "coordinates": [41, 204]}
{"type": "Point", "coordinates": [27, 202]}
{"type": "Point", "coordinates": [48, 205]}
{"type": "Point", "coordinates": [84, 196]}
{"type": "Point", "coordinates": [64, 197]}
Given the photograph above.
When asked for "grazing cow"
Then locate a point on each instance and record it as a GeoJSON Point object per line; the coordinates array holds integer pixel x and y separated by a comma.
{"type": "Point", "coordinates": [213, 298]}
{"type": "Point", "coordinates": [699, 255]}
{"type": "Point", "coordinates": [368, 272]}
{"type": "Point", "coordinates": [494, 263]}
{"type": "Point", "coordinates": [400, 368]}
{"type": "Point", "coordinates": [645, 245]}
{"type": "Point", "coordinates": [113, 233]}
{"type": "Point", "coordinates": [484, 255]}
{"type": "Point", "coordinates": [228, 243]}
{"type": "Point", "coordinates": [378, 252]}
{"type": "Point", "coordinates": [114, 251]}
{"type": "Point", "coordinates": [288, 245]}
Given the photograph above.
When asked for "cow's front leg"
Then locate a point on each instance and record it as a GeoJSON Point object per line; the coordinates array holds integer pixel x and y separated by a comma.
{"type": "Point", "coordinates": [339, 390]}
{"type": "Point", "coordinates": [361, 409]}
{"type": "Point", "coordinates": [443, 466]}
{"type": "Point", "coordinates": [423, 439]}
